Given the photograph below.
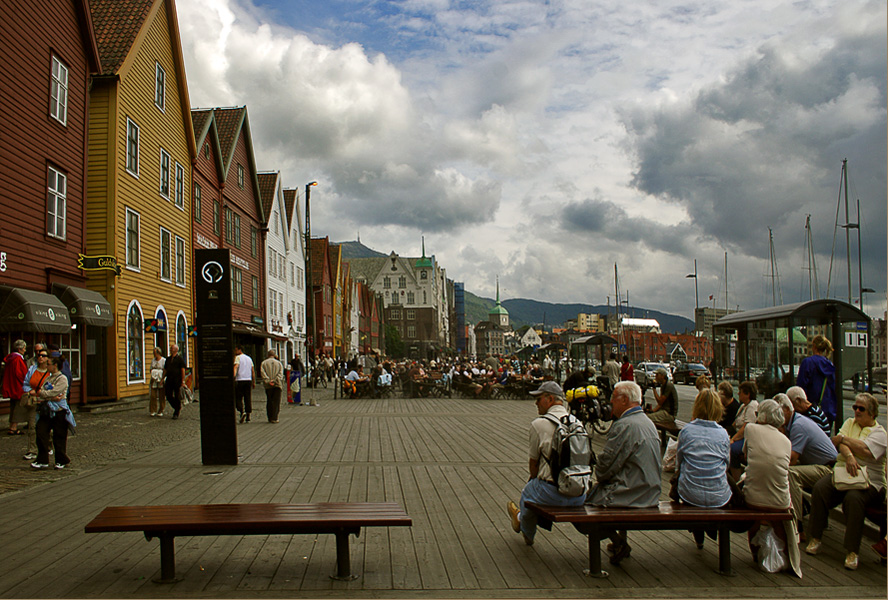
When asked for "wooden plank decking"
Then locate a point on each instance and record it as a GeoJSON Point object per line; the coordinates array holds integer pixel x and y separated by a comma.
{"type": "Point", "coordinates": [451, 463]}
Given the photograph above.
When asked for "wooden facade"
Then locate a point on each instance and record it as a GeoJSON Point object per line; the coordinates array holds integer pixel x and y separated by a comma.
{"type": "Point", "coordinates": [141, 149]}
{"type": "Point", "coordinates": [321, 287]}
{"type": "Point", "coordinates": [242, 229]}
{"type": "Point", "coordinates": [49, 50]}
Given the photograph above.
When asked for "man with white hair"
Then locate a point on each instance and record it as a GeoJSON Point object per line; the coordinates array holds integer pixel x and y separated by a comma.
{"type": "Point", "coordinates": [272, 372]}
{"type": "Point", "coordinates": [627, 473]}
{"type": "Point", "coordinates": [812, 457]}
{"type": "Point", "coordinates": [801, 405]}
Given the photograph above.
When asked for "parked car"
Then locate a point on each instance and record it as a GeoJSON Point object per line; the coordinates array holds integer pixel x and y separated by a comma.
{"type": "Point", "coordinates": [644, 374]}
{"type": "Point", "coordinates": [689, 372]}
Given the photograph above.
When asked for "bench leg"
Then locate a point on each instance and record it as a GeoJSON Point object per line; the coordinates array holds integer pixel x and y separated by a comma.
{"type": "Point", "coordinates": [343, 562]}
{"type": "Point", "coordinates": [167, 559]}
{"type": "Point", "coordinates": [595, 553]}
{"type": "Point", "coordinates": [724, 551]}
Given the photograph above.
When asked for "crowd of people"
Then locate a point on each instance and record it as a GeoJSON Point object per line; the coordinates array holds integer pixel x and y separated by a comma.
{"type": "Point", "coordinates": [734, 453]}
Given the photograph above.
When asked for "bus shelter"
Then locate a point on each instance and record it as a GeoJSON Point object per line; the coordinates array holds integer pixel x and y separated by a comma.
{"type": "Point", "coordinates": [768, 345]}
{"type": "Point", "coordinates": [600, 340]}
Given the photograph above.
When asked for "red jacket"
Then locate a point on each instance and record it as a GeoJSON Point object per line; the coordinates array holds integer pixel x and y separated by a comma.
{"type": "Point", "coordinates": [14, 376]}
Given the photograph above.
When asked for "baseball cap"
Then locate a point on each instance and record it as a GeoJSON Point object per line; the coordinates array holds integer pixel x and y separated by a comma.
{"type": "Point", "coordinates": [549, 387]}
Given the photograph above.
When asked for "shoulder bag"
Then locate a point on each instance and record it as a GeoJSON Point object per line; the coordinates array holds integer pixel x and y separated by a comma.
{"type": "Point", "coordinates": [843, 481]}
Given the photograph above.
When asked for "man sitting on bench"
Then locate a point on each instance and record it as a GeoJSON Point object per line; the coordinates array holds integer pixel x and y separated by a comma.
{"type": "Point", "coordinates": [628, 470]}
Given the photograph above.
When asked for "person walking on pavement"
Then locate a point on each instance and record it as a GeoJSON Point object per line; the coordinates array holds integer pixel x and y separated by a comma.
{"type": "Point", "coordinates": [244, 382]}
{"type": "Point", "coordinates": [173, 376]}
{"type": "Point", "coordinates": [297, 369]}
{"type": "Point", "coordinates": [54, 418]}
{"type": "Point", "coordinates": [13, 379]}
{"type": "Point", "coordinates": [611, 370]}
{"type": "Point", "coordinates": [156, 397]}
{"type": "Point", "coordinates": [272, 372]}
{"type": "Point", "coordinates": [37, 374]}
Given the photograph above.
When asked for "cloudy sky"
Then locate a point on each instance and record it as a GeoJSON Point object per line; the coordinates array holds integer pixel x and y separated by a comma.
{"type": "Point", "coordinates": [545, 141]}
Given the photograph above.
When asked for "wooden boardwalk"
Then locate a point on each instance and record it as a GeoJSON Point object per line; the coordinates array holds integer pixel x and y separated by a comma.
{"type": "Point", "coordinates": [452, 464]}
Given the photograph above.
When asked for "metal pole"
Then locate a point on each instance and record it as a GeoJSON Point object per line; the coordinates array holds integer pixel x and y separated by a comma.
{"type": "Point", "coordinates": [309, 287]}
{"type": "Point", "coordinates": [847, 233]}
{"type": "Point", "coordinates": [696, 292]}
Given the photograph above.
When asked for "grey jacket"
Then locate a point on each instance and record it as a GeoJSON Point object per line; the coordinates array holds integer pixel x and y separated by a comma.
{"type": "Point", "coordinates": [628, 469]}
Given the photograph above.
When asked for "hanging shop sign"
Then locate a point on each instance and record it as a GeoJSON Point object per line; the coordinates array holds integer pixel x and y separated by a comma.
{"type": "Point", "coordinates": [98, 263]}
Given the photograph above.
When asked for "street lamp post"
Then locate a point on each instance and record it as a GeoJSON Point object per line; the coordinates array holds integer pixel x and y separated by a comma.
{"type": "Point", "coordinates": [309, 296]}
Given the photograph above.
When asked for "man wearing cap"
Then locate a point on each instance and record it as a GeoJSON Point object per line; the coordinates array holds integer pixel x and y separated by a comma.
{"type": "Point", "coordinates": [540, 488]}
{"type": "Point", "coordinates": [627, 473]}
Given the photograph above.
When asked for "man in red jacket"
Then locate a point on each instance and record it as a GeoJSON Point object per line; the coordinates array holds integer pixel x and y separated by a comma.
{"type": "Point", "coordinates": [13, 378]}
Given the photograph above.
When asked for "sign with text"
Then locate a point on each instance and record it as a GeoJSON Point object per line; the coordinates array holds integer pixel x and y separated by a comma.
{"type": "Point", "coordinates": [215, 356]}
{"type": "Point", "coordinates": [98, 263]}
{"type": "Point", "coordinates": [856, 339]}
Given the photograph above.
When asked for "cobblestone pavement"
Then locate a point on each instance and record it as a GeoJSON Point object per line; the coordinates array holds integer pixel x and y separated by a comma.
{"type": "Point", "coordinates": [103, 438]}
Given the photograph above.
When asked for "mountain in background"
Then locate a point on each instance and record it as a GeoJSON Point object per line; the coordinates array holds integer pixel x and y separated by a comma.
{"type": "Point", "coordinates": [523, 311]}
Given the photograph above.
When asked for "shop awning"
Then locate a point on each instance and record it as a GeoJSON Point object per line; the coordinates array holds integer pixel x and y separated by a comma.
{"type": "Point", "coordinates": [85, 306]}
{"type": "Point", "coordinates": [250, 330]}
{"type": "Point", "coordinates": [27, 310]}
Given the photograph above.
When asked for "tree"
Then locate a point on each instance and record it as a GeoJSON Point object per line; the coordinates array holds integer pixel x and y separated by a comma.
{"type": "Point", "coordinates": [394, 345]}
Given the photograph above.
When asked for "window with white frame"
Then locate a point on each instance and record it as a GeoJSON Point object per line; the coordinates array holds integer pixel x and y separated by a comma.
{"type": "Point", "coordinates": [282, 268]}
{"type": "Point", "coordinates": [182, 337]}
{"type": "Point", "coordinates": [133, 241]}
{"type": "Point", "coordinates": [132, 147]}
{"type": "Point", "coordinates": [164, 173]}
{"type": "Point", "coordinates": [386, 282]}
{"type": "Point", "coordinates": [237, 231]}
{"type": "Point", "coordinates": [229, 225]}
{"type": "Point", "coordinates": [410, 298]}
{"type": "Point", "coordinates": [272, 303]}
{"type": "Point", "coordinates": [300, 310]}
{"type": "Point", "coordinates": [240, 176]}
{"type": "Point", "coordinates": [255, 290]}
{"type": "Point", "coordinates": [217, 220]}
{"type": "Point", "coordinates": [271, 262]}
{"type": "Point", "coordinates": [196, 201]}
{"type": "Point", "coordinates": [411, 314]}
{"type": "Point", "coordinates": [56, 194]}
{"type": "Point", "coordinates": [69, 345]}
{"type": "Point", "coordinates": [402, 282]}
{"type": "Point", "coordinates": [300, 278]}
{"type": "Point", "coordinates": [180, 186]}
{"type": "Point", "coordinates": [292, 274]}
{"type": "Point", "coordinates": [58, 92]}
{"type": "Point", "coordinates": [180, 261]}
{"type": "Point", "coordinates": [166, 249]}
{"type": "Point", "coordinates": [254, 242]}
{"type": "Point", "coordinates": [411, 332]}
{"type": "Point", "coordinates": [159, 86]}
{"type": "Point", "coordinates": [135, 344]}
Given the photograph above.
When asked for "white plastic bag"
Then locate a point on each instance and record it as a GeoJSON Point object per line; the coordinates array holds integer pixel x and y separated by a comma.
{"type": "Point", "coordinates": [669, 456]}
{"type": "Point", "coordinates": [771, 554]}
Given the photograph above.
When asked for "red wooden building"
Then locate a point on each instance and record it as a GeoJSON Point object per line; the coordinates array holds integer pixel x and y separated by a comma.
{"type": "Point", "coordinates": [49, 50]}
{"type": "Point", "coordinates": [320, 320]}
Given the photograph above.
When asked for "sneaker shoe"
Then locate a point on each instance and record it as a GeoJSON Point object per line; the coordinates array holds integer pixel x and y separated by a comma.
{"type": "Point", "coordinates": [50, 452]}
{"type": "Point", "coordinates": [35, 465]}
{"type": "Point", "coordinates": [813, 546]}
{"type": "Point", "coordinates": [851, 561]}
{"type": "Point", "coordinates": [160, 414]}
{"type": "Point", "coordinates": [30, 456]}
{"type": "Point", "coordinates": [881, 548]}
{"type": "Point", "coordinates": [243, 417]}
{"type": "Point", "coordinates": [60, 467]}
{"type": "Point", "coordinates": [512, 509]}
{"type": "Point", "coordinates": [154, 414]}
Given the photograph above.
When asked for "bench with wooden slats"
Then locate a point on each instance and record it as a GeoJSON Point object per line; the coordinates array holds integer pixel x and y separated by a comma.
{"type": "Point", "coordinates": [598, 523]}
{"type": "Point", "coordinates": [168, 522]}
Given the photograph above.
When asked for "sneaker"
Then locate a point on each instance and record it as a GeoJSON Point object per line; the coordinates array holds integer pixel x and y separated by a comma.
{"type": "Point", "coordinates": [60, 467]}
{"type": "Point", "coordinates": [30, 456]}
{"type": "Point", "coordinates": [50, 452]}
{"type": "Point", "coordinates": [243, 417]}
{"type": "Point", "coordinates": [851, 561]}
{"type": "Point", "coordinates": [512, 509]}
{"type": "Point", "coordinates": [160, 414]}
{"type": "Point", "coordinates": [813, 546]}
{"type": "Point", "coordinates": [35, 465]}
{"type": "Point", "coordinates": [154, 414]}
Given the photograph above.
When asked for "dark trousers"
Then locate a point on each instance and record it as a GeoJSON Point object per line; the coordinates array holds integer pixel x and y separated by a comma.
{"type": "Point", "coordinates": [273, 402]}
{"type": "Point", "coordinates": [243, 396]}
{"type": "Point", "coordinates": [172, 396]}
{"type": "Point", "coordinates": [53, 428]}
{"type": "Point", "coordinates": [824, 496]}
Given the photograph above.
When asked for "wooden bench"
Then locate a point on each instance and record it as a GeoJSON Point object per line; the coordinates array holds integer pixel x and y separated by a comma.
{"type": "Point", "coordinates": [598, 523]}
{"type": "Point", "coordinates": [167, 522]}
{"type": "Point", "coordinates": [669, 431]}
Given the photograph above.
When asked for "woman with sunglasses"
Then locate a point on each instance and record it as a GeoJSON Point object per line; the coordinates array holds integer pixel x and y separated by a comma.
{"type": "Point", "coordinates": [54, 418]}
{"type": "Point", "coordinates": [861, 442]}
{"type": "Point", "coordinates": [37, 374]}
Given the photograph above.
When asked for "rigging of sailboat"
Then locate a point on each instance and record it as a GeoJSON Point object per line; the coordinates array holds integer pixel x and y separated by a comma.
{"type": "Point", "coordinates": [847, 226]}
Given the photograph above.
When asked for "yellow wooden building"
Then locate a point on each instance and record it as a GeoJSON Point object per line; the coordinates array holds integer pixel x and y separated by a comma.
{"type": "Point", "coordinates": [139, 209]}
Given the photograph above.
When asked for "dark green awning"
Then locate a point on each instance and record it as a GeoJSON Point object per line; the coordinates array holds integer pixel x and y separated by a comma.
{"type": "Point", "coordinates": [27, 310]}
{"type": "Point", "coordinates": [85, 306]}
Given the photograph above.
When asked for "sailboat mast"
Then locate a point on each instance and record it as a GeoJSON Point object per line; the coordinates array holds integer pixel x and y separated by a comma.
{"type": "Point", "coordinates": [847, 232]}
{"type": "Point", "coordinates": [812, 262]}
{"type": "Point", "coordinates": [726, 283]}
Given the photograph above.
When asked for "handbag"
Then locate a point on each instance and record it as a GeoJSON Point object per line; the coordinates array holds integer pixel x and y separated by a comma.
{"type": "Point", "coordinates": [843, 481]}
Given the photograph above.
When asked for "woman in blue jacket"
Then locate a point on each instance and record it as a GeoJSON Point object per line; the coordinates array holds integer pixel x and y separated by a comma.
{"type": "Point", "coordinates": [817, 376]}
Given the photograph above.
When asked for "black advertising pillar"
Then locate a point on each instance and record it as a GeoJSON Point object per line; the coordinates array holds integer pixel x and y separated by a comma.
{"type": "Point", "coordinates": [215, 366]}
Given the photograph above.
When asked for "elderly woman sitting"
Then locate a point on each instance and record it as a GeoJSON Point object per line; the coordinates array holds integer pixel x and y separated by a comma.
{"type": "Point", "coordinates": [861, 442]}
{"type": "Point", "coordinates": [766, 486]}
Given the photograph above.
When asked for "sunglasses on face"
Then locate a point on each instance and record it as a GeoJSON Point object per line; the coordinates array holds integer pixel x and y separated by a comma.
{"type": "Point", "coordinates": [43, 355]}
{"type": "Point", "coordinates": [859, 408]}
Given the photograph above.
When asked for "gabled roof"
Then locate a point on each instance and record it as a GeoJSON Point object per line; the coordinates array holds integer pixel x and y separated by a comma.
{"type": "Point", "coordinates": [232, 122]}
{"type": "Point", "coordinates": [267, 189]}
{"type": "Point", "coordinates": [289, 204]}
{"type": "Point", "coordinates": [204, 123]}
{"type": "Point", "coordinates": [88, 35]}
{"type": "Point", "coordinates": [319, 260]}
{"type": "Point", "coordinates": [117, 24]}
{"type": "Point", "coordinates": [120, 28]}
